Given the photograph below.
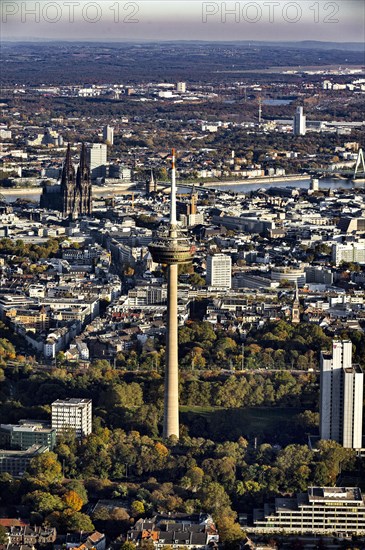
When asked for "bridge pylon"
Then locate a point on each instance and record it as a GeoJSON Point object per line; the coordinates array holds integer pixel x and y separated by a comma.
{"type": "Point", "coordinates": [360, 161]}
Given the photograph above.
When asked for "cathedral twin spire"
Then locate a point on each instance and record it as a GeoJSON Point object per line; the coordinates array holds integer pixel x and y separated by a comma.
{"type": "Point", "coordinates": [76, 190]}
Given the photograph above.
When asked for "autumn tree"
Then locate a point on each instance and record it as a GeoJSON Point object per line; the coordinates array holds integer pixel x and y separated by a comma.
{"type": "Point", "coordinates": [147, 545]}
{"type": "Point", "coordinates": [294, 462]}
{"type": "Point", "coordinates": [46, 467]}
{"type": "Point", "coordinates": [78, 487]}
{"type": "Point", "coordinates": [42, 502]}
{"type": "Point", "coordinates": [76, 521]}
{"type": "Point", "coordinates": [137, 508]}
{"type": "Point", "coordinates": [230, 532]}
{"type": "Point", "coordinates": [3, 536]}
{"type": "Point", "coordinates": [193, 479]}
{"type": "Point", "coordinates": [215, 500]}
{"type": "Point", "coordinates": [335, 458]}
{"type": "Point", "coordinates": [73, 500]}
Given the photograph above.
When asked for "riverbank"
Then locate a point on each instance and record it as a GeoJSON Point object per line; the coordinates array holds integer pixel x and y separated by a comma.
{"type": "Point", "coordinates": [264, 180]}
{"type": "Point", "coordinates": [99, 189]}
{"type": "Point", "coordinates": [21, 191]}
{"type": "Point", "coordinates": [34, 193]}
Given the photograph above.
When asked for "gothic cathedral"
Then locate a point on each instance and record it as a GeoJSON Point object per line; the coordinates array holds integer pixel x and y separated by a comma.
{"type": "Point", "coordinates": [74, 196]}
{"type": "Point", "coordinates": [76, 189]}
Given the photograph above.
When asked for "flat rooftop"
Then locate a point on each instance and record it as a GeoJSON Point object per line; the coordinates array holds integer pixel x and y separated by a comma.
{"type": "Point", "coordinates": [354, 369]}
{"type": "Point", "coordinates": [335, 494]}
{"type": "Point", "coordinates": [29, 428]}
{"type": "Point", "coordinates": [285, 504]}
{"type": "Point", "coordinates": [28, 453]}
{"type": "Point", "coordinates": [73, 401]}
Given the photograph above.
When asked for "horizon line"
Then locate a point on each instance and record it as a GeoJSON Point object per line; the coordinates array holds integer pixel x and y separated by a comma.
{"type": "Point", "coordinates": [158, 40]}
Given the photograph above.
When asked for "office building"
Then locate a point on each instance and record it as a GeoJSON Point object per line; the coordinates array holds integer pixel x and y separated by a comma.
{"type": "Point", "coordinates": [108, 134]}
{"type": "Point", "coordinates": [219, 271]}
{"type": "Point", "coordinates": [321, 510]}
{"type": "Point", "coordinates": [299, 123]}
{"type": "Point", "coordinates": [26, 434]}
{"type": "Point", "coordinates": [295, 275]}
{"type": "Point", "coordinates": [186, 209]}
{"type": "Point", "coordinates": [341, 396]}
{"type": "Point", "coordinates": [72, 413]}
{"type": "Point", "coordinates": [187, 204]}
{"type": "Point", "coordinates": [119, 172]}
{"type": "Point", "coordinates": [16, 463]}
{"type": "Point", "coordinates": [171, 248]}
{"type": "Point", "coordinates": [314, 184]}
{"type": "Point", "coordinates": [97, 155]}
{"type": "Point", "coordinates": [349, 252]}
{"type": "Point", "coordinates": [318, 275]}
{"type": "Point", "coordinates": [245, 224]}
{"type": "Point", "coordinates": [181, 87]}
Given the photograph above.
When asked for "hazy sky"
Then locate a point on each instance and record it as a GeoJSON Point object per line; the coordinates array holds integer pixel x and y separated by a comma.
{"type": "Point", "coordinates": [105, 20]}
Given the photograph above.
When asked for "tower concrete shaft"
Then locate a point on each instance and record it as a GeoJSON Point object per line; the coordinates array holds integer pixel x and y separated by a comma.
{"type": "Point", "coordinates": [171, 248]}
{"type": "Point", "coordinates": [171, 410]}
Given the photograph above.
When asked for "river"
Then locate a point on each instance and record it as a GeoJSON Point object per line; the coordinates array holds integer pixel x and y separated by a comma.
{"type": "Point", "coordinates": [325, 183]}
{"type": "Point", "coordinates": [11, 195]}
{"type": "Point", "coordinates": [328, 183]}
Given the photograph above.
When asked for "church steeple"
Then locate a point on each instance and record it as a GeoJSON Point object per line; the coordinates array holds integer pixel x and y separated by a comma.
{"type": "Point", "coordinates": [193, 200]}
{"type": "Point", "coordinates": [68, 171]}
{"type": "Point", "coordinates": [151, 185]}
{"type": "Point", "coordinates": [83, 184]}
{"type": "Point", "coordinates": [68, 161]}
{"type": "Point", "coordinates": [295, 312]}
{"type": "Point", "coordinates": [83, 162]}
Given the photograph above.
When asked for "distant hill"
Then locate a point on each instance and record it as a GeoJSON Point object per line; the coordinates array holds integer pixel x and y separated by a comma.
{"type": "Point", "coordinates": [303, 44]}
{"type": "Point", "coordinates": [315, 45]}
{"type": "Point", "coordinates": [108, 62]}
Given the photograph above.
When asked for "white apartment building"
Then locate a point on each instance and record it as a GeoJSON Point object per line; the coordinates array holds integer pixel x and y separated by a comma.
{"type": "Point", "coordinates": [299, 122]}
{"type": "Point", "coordinates": [143, 296]}
{"type": "Point", "coordinates": [350, 252]}
{"type": "Point", "coordinates": [75, 413]}
{"type": "Point", "coordinates": [353, 391]}
{"type": "Point", "coordinates": [341, 396]}
{"type": "Point", "coordinates": [108, 134]}
{"type": "Point", "coordinates": [219, 271]}
{"type": "Point", "coordinates": [97, 157]}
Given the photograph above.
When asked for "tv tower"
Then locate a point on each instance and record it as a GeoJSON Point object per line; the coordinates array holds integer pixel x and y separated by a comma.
{"type": "Point", "coordinates": [171, 248]}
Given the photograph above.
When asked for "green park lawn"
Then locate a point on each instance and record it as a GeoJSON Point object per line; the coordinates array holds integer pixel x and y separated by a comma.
{"type": "Point", "coordinates": [269, 424]}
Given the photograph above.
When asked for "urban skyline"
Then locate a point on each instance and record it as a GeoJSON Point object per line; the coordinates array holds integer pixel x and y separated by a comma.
{"type": "Point", "coordinates": [182, 331]}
